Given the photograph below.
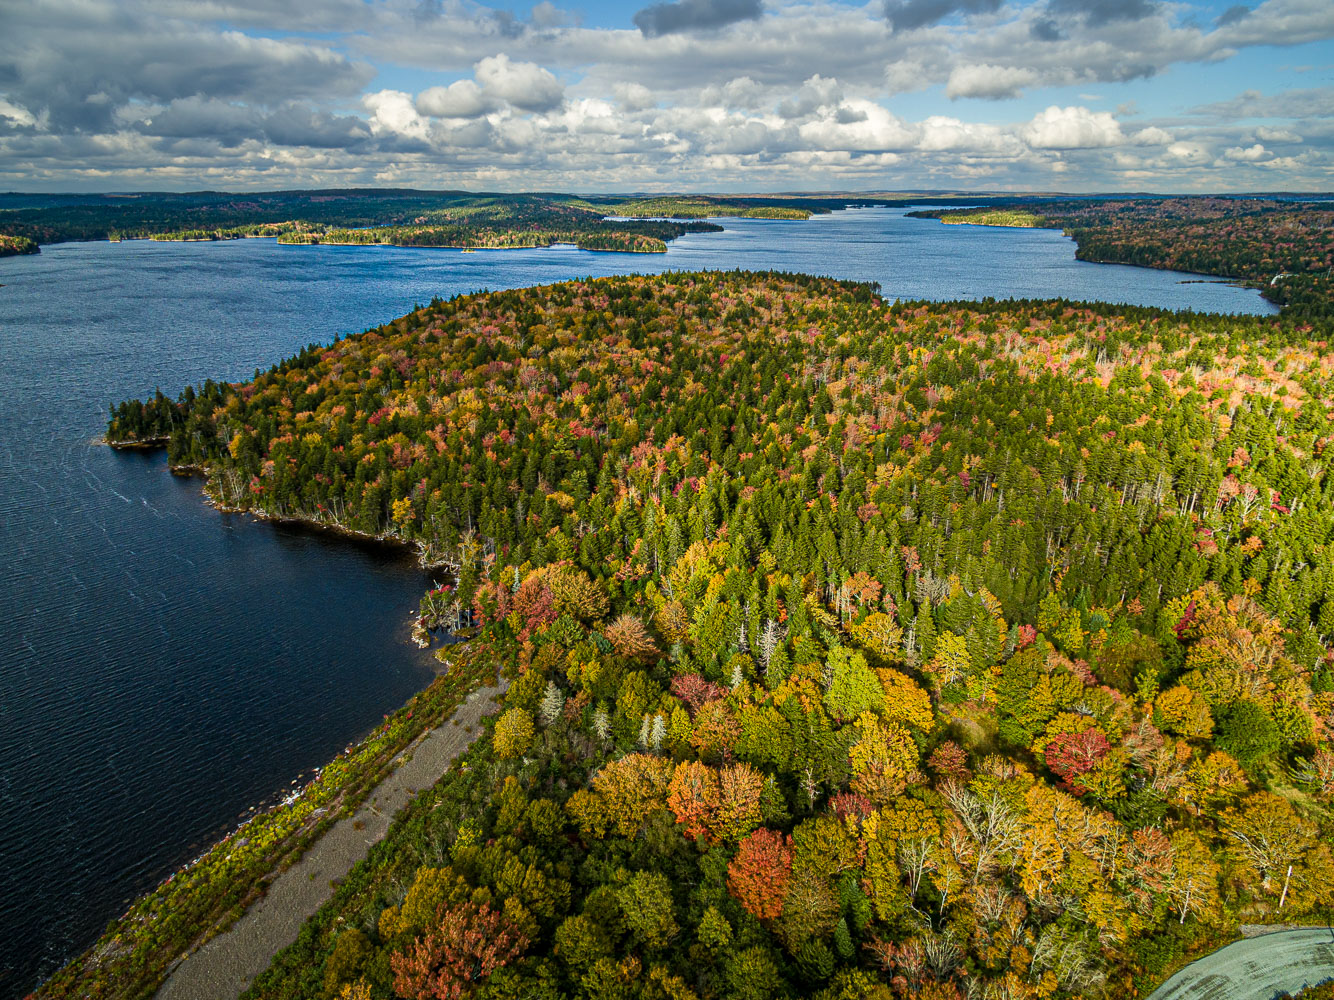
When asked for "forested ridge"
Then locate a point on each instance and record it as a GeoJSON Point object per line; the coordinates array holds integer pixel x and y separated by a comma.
{"type": "Point", "coordinates": [923, 650]}
{"type": "Point", "coordinates": [1285, 248]}
{"type": "Point", "coordinates": [386, 216]}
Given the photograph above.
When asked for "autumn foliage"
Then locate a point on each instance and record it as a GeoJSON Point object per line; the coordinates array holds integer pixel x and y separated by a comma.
{"type": "Point", "coordinates": [759, 873]}
{"type": "Point", "coordinates": [467, 944]}
{"type": "Point", "coordinates": [973, 649]}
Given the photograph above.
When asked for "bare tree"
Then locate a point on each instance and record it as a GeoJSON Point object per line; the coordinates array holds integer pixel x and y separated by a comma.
{"type": "Point", "coordinates": [916, 857]}
{"type": "Point", "coordinates": [942, 954]}
{"type": "Point", "coordinates": [990, 823]}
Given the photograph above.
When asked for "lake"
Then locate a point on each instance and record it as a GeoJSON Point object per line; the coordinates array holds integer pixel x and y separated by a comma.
{"type": "Point", "coordinates": [165, 668]}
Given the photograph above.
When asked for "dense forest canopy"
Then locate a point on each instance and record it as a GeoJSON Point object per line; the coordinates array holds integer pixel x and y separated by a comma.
{"type": "Point", "coordinates": [858, 649]}
{"type": "Point", "coordinates": [385, 216]}
{"type": "Point", "coordinates": [1286, 248]}
{"type": "Point", "coordinates": [12, 246]}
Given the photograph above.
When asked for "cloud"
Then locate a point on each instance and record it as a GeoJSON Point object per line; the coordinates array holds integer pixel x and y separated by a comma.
{"type": "Point", "coordinates": [1195, 153]}
{"type": "Point", "coordinates": [906, 15]}
{"type": "Point", "coordinates": [1044, 29]}
{"type": "Point", "coordinates": [78, 62]}
{"type": "Point", "coordinates": [262, 93]}
{"type": "Point", "coordinates": [1279, 22]}
{"type": "Point", "coordinates": [523, 84]}
{"type": "Point", "coordinates": [695, 15]}
{"type": "Point", "coordinates": [1232, 15]}
{"type": "Point", "coordinates": [1251, 154]}
{"type": "Point", "coordinates": [1315, 102]}
{"type": "Point", "coordinates": [21, 117]}
{"type": "Point", "coordinates": [461, 99]}
{"type": "Point", "coordinates": [200, 117]}
{"type": "Point", "coordinates": [393, 111]}
{"type": "Point", "coordinates": [548, 15]}
{"type": "Point", "coordinates": [992, 82]}
{"type": "Point", "coordinates": [1151, 136]}
{"type": "Point", "coordinates": [295, 125]}
{"type": "Point", "coordinates": [743, 92]}
{"type": "Point", "coordinates": [815, 93]}
{"type": "Point", "coordinates": [1267, 134]}
{"type": "Point", "coordinates": [634, 96]}
{"type": "Point", "coordinates": [876, 130]}
{"type": "Point", "coordinates": [500, 82]}
{"type": "Point", "coordinates": [1099, 12]}
{"type": "Point", "coordinates": [943, 134]}
{"type": "Point", "coordinates": [1072, 128]}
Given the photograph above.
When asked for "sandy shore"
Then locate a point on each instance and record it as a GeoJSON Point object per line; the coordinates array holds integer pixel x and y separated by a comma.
{"type": "Point", "coordinates": [226, 965]}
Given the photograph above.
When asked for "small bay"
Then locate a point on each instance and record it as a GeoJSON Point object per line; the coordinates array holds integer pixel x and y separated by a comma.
{"type": "Point", "coordinates": [165, 668]}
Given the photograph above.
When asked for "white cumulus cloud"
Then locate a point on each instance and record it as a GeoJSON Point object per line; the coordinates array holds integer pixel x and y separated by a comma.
{"type": "Point", "coordinates": [1250, 154]}
{"type": "Point", "coordinates": [461, 99]}
{"type": "Point", "coordinates": [525, 85]}
{"type": "Point", "coordinates": [393, 111]}
{"type": "Point", "coordinates": [1072, 128]}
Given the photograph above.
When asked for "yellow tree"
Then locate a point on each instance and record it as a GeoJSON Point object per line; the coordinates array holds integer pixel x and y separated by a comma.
{"type": "Point", "coordinates": [1192, 885]}
{"type": "Point", "coordinates": [905, 701]}
{"type": "Point", "coordinates": [623, 795]}
{"type": "Point", "coordinates": [951, 661]}
{"type": "Point", "coordinates": [884, 758]}
{"type": "Point", "coordinates": [879, 634]}
{"type": "Point", "coordinates": [1265, 836]}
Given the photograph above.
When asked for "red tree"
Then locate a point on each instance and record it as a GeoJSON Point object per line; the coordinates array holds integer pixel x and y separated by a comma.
{"type": "Point", "coordinates": [758, 875]}
{"type": "Point", "coordinates": [694, 690]}
{"type": "Point", "coordinates": [492, 602]}
{"type": "Point", "coordinates": [692, 797]}
{"type": "Point", "coordinates": [949, 762]}
{"type": "Point", "coordinates": [846, 804]}
{"type": "Point", "coordinates": [535, 605]}
{"type": "Point", "coordinates": [1073, 754]}
{"type": "Point", "coordinates": [467, 944]}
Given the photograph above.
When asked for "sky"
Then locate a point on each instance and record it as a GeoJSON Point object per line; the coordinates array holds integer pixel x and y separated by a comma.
{"type": "Point", "coordinates": [690, 95]}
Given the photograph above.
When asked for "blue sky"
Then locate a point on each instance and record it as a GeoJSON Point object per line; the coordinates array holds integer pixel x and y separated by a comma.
{"type": "Point", "coordinates": [721, 95]}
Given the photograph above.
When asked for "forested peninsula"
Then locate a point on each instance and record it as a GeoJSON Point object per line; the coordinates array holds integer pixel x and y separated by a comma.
{"type": "Point", "coordinates": [12, 246]}
{"type": "Point", "coordinates": [356, 216]}
{"type": "Point", "coordinates": [1284, 248]}
{"type": "Point", "coordinates": [858, 649]}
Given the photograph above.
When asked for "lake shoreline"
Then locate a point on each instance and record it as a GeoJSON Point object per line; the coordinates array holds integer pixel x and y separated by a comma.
{"type": "Point", "coordinates": [311, 524]}
{"type": "Point", "coordinates": [245, 949]}
{"type": "Point", "coordinates": [1196, 277]}
{"type": "Point", "coordinates": [142, 936]}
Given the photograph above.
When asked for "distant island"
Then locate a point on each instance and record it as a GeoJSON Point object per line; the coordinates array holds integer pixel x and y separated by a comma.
{"type": "Point", "coordinates": [391, 218]}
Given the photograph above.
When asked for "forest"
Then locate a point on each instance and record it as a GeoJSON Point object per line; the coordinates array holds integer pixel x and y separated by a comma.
{"type": "Point", "coordinates": [12, 246]}
{"type": "Point", "coordinates": [857, 649]}
{"type": "Point", "coordinates": [388, 216]}
{"type": "Point", "coordinates": [1284, 248]}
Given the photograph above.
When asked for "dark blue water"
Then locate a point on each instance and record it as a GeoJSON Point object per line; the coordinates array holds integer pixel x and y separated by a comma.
{"type": "Point", "coordinates": [163, 667]}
